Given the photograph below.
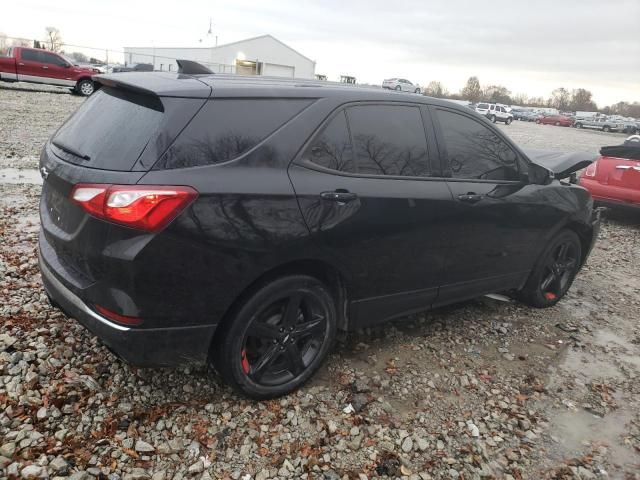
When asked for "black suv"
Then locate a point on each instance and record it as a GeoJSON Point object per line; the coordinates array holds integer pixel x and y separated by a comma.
{"type": "Point", "coordinates": [243, 221]}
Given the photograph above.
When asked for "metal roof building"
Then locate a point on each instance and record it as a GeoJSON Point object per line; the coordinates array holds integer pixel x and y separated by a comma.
{"type": "Point", "coordinates": [263, 55]}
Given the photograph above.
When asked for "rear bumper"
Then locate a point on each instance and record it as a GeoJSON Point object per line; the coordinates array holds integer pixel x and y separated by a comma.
{"type": "Point", "coordinates": [143, 347]}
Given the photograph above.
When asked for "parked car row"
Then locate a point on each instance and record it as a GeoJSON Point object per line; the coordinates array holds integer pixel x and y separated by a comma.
{"type": "Point", "coordinates": [495, 112]}
{"type": "Point", "coordinates": [401, 85]}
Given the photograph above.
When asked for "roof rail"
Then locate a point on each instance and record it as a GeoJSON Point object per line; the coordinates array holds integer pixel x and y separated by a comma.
{"type": "Point", "coordinates": [189, 67]}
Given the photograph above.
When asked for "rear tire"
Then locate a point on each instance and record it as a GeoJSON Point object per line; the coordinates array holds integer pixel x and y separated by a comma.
{"type": "Point", "coordinates": [398, 88]}
{"type": "Point", "coordinates": [557, 124]}
{"type": "Point", "coordinates": [278, 338]}
{"type": "Point", "coordinates": [492, 118]}
{"type": "Point", "coordinates": [85, 87]}
{"type": "Point", "coordinates": [578, 125]}
{"type": "Point", "coordinates": [606, 128]}
{"type": "Point", "coordinates": [417, 91]}
{"type": "Point", "coordinates": [554, 271]}
{"type": "Point", "coordinates": [507, 121]}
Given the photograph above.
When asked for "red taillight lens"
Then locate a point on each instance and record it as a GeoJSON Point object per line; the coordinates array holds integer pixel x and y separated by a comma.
{"type": "Point", "coordinates": [116, 317]}
{"type": "Point", "coordinates": [145, 207]}
{"type": "Point", "coordinates": [591, 170]}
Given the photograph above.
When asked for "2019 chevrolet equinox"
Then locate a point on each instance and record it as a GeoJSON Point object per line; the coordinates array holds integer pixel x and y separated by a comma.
{"type": "Point", "coordinates": [242, 222]}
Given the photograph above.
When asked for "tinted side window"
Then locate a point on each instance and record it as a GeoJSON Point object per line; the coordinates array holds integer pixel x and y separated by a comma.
{"type": "Point", "coordinates": [51, 59]}
{"type": "Point", "coordinates": [30, 55]}
{"type": "Point", "coordinates": [389, 140]}
{"type": "Point", "coordinates": [227, 128]}
{"type": "Point", "coordinates": [332, 148]}
{"type": "Point", "coordinates": [474, 151]}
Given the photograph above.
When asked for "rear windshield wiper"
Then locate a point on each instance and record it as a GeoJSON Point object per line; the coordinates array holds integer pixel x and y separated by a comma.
{"type": "Point", "coordinates": [70, 150]}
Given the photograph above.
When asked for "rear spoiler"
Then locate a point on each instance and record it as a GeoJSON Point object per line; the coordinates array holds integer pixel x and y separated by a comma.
{"type": "Point", "coordinates": [158, 84]}
{"type": "Point", "coordinates": [189, 67]}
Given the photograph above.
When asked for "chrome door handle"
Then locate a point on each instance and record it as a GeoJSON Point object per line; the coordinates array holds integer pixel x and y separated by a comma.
{"type": "Point", "coordinates": [21, 64]}
{"type": "Point", "coordinates": [45, 67]}
{"type": "Point", "coordinates": [338, 196]}
{"type": "Point", "coordinates": [470, 197]}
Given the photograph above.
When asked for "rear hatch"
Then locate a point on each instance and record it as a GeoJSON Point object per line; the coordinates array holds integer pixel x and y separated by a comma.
{"type": "Point", "coordinates": [115, 137]}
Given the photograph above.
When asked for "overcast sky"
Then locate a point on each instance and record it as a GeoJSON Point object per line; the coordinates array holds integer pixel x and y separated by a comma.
{"type": "Point", "coordinates": [530, 47]}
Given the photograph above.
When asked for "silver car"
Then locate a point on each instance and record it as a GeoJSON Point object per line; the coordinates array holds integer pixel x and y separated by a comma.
{"type": "Point", "coordinates": [401, 85]}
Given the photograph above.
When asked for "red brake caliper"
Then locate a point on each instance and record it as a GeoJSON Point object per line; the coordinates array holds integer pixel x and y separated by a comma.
{"type": "Point", "coordinates": [244, 362]}
{"type": "Point", "coordinates": [550, 295]}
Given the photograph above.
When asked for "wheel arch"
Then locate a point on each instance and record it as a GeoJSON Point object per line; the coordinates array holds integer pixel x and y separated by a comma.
{"type": "Point", "coordinates": [585, 234]}
{"type": "Point", "coordinates": [331, 276]}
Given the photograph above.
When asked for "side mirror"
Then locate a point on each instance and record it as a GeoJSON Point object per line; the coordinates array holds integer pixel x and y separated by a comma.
{"type": "Point", "coordinates": [539, 175]}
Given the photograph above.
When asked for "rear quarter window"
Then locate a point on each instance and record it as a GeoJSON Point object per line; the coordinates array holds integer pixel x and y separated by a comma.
{"type": "Point", "coordinates": [224, 129]}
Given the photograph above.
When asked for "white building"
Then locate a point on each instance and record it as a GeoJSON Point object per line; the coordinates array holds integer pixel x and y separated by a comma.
{"type": "Point", "coordinates": [264, 55]}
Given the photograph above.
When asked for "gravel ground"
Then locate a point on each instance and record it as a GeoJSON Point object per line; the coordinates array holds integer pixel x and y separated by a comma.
{"type": "Point", "coordinates": [485, 389]}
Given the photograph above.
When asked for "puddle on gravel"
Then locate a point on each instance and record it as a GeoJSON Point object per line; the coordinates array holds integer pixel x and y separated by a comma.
{"type": "Point", "coordinates": [17, 176]}
{"type": "Point", "coordinates": [587, 368]}
{"type": "Point", "coordinates": [574, 430]}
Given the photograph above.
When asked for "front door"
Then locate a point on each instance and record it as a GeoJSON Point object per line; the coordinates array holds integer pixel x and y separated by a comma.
{"type": "Point", "coordinates": [365, 187]}
{"type": "Point", "coordinates": [496, 218]}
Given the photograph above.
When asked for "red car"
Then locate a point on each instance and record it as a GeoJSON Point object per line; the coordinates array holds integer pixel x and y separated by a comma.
{"type": "Point", "coordinates": [614, 179]}
{"type": "Point", "coordinates": [557, 120]}
{"type": "Point", "coordinates": [40, 66]}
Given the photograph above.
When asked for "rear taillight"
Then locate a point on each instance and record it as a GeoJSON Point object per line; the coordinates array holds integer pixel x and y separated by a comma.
{"type": "Point", "coordinates": [591, 170]}
{"type": "Point", "coordinates": [145, 207]}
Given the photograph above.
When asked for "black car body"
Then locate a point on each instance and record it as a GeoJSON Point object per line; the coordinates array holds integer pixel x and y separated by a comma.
{"type": "Point", "coordinates": [397, 203]}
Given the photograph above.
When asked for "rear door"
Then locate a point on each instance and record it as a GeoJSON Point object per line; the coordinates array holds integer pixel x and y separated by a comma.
{"type": "Point", "coordinates": [29, 66]}
{"type": "Point", "coordinates": [495, 218]}
{"type": "Point", "coordinates": [366, 187]}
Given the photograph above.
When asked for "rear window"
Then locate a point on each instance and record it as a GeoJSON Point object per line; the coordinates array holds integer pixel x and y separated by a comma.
{"type": "Point", "coordinates": [226, 128]}
{"type": "Point", "coordinates": [483, 106]}
{"type": "Point", "coordinates": [110, 130]}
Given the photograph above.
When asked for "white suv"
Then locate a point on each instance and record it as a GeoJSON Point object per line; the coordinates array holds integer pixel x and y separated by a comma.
{"type": "Point", "coordinates": [401, 85]}
{"type": "Point", "coordinates": [495, 113]}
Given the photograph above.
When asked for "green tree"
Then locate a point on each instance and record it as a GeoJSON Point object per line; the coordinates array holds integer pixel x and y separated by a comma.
{"type": "Point", "coordinates": [472, 90]}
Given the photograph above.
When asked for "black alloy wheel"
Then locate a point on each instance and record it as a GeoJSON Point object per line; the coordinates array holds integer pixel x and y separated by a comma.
{"type": "Point", "coordinates": [279, 337]}
{"type": "Point", "coordinates": [555, 271]}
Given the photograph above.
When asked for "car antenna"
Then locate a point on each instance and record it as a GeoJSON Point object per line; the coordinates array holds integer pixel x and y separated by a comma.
{"type": "Point", "coordinates": [189, 67]}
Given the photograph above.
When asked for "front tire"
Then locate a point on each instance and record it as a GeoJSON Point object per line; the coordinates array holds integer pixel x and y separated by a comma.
{"type": "Point", "coordinates": [578, 125]}
{"type": "Point", "coordinates": [278, 338]}
{"type": "Point", "coordinates": [398, 88]}
{"type": "Point", "coordinates": [85, 87]}
{"type": "Point", "coordinates": [417, 91]}
{"type": "Point", "coordinates": [557, 124]}
{"type": "Point", "coordinates": [606, 128]}
{"type": "Point", "coordinates": [554, 272]}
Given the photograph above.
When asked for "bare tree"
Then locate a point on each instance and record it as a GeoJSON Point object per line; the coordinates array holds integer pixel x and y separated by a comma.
{"type": "Point", "coordinates": [436, 89]}
{"type": "Point", "coordinates": [4, 42]}
{"type": "Point", "coordinates": [472, 90]}
{"type": "Point", "coordinates": [53, 39]}
{"type": "Point", "coordinates": [560, 98]}
{"type": "Point", "coordinates": [79, 57]}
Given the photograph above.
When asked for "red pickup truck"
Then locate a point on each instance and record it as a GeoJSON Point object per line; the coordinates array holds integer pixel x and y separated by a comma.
{"type": "Point", "coordinates": [41, 66]}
